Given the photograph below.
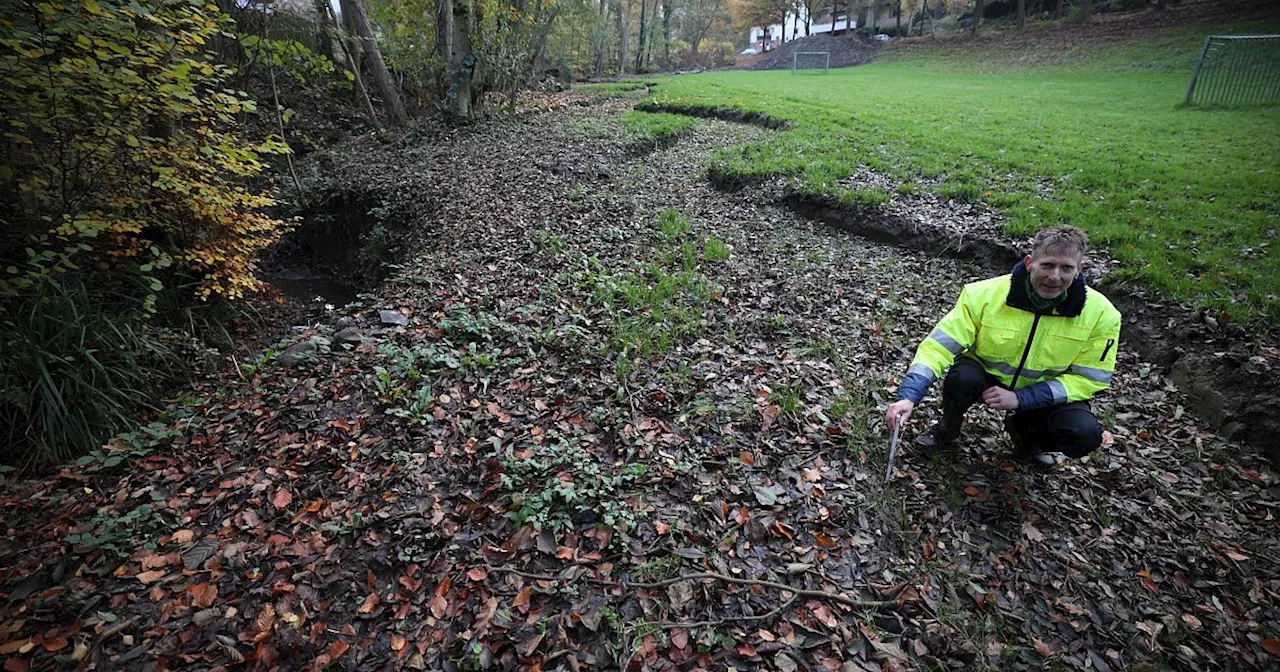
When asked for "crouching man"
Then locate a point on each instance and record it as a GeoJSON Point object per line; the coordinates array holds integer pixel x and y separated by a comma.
{"type": "Point", "coordinates": [1037, 343]}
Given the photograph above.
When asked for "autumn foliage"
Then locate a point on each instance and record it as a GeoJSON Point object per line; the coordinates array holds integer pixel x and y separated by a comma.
{"type": "Point", "coordinates": [125, 196]}
{"type": "Point", "coordinates": [120, 161]}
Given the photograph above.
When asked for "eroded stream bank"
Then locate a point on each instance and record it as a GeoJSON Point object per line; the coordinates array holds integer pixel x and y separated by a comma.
{"type": "Point", "coordinates": [821, 324]}
{"type": "Point", "coordinates": [1229, 376]}
{"type": "Point", "coordinates": [599, 372]}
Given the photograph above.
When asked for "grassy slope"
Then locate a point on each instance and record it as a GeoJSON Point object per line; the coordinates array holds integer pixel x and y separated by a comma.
{"type": "Point", "coordinates": [1186, 199]}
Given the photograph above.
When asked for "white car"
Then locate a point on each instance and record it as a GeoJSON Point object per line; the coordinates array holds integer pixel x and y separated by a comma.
{"type": "Point", "coordinates": [749, 51]}
{"type": "Point", "coordinates": [881, 38]}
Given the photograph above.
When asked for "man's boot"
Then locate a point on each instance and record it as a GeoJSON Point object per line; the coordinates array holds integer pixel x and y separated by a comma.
{"type": "Point", "coordinates": [1026, 450]}
{"type": "Point", "coordinates": [937, 439]}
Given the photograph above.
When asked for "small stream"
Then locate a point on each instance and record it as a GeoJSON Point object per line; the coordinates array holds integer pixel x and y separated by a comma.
{"type": "Point", "coordinates": [313, 289]}
{"type": "Point", "coordinates": [329, 259]}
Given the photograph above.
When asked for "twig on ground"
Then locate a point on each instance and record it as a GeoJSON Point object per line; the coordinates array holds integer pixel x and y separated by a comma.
{"type": "Point", "coordinates": [803, 592]}
{"type": "Point", "coordinates": [115, 630]}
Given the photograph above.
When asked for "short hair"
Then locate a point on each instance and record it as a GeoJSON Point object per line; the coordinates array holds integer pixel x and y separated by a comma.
{"type": "Point", "coordinates": [1066, 240]}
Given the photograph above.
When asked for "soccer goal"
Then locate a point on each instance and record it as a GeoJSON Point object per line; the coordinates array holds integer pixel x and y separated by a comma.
{"type": "Point", "coordinates": [811, 61]}
{"type": "Point", "coordinates": [1235, 69]}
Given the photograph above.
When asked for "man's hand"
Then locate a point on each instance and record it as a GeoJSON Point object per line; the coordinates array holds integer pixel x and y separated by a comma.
{"type": "Point", "coordinates": [899, 411]}
{"type": "Point", "coordinates": [1000, 399]}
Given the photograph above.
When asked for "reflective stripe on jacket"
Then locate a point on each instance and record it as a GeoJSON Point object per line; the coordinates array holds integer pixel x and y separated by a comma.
{"type": "Point", "coordinates": [1051, 358]}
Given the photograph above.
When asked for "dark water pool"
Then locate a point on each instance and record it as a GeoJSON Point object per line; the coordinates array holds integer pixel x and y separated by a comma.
{"type": "Point", "coordinates": [314, 290]}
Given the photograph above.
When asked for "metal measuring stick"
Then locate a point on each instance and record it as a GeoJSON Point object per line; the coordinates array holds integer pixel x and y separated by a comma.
{"type": "Point", "coordinates": [893, 449]}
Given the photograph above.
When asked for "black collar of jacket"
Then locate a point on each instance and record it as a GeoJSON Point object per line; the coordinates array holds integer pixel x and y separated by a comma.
{"type": "Point", "coordinates": [1018, 298]}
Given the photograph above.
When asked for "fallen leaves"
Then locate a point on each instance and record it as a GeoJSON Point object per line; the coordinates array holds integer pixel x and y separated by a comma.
{"type": "Point", "coordinates": [370, 603]}
{"type": "Point", "coordinates": [282, 499]}
{"type": "Point", "coordinates": [406, 518]}
{"type": "Point", "coordinates": [152, 576]}
{"type": "Point", "coordinates": [203, 595]}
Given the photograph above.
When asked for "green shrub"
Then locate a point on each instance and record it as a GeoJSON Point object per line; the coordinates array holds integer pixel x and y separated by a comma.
{"type": "Point", "coordinates": [71, 373]}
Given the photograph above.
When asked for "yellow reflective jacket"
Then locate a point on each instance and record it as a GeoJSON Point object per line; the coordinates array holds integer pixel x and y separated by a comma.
{"type": "Point", "coordinates": [1064, 355]}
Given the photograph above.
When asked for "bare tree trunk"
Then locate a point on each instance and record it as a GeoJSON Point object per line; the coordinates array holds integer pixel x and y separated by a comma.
{"type": "Point", "coordinates": [462, 62]}
{"type": "Point", "coordinates": [378, 68]}
{"type": "Point", "coordinates": [444, 31]}
{"type": "Point", "coordinates": [666, 32]}
{"type": "Point", "coordinates": [601, 35]}
{"type": "Point", "coordinates": [1022, 14]}
{"type": "Point", "coordinates": [898, 16]}
{"type": "Point", "coordinates": [1057, 10]}
{"type": "Point", "coordinates": [1086, 10]}
{"type": "Point", "coordinates": [979, 8]}
{"type": "Point", "coordinates": [644, 8]}
{"type": "Point", "coordinates": [323, 38]}
{"type": "Point", "coordinates": [361, 92]}
{"type": "Point", "coordinates": [624, 9]}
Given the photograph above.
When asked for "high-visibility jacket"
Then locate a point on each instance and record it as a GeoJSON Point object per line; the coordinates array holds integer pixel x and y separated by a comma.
{"type": "Point", "coordinates": [1063, 355]}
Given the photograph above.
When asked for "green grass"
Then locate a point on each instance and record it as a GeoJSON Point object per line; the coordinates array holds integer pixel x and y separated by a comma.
{"type": "Point", "coordinates": [608, 90]}
{"type": "Point", "coordinates": [651, 127]}
{"type": "Point", "coordinates": [1187, 200]}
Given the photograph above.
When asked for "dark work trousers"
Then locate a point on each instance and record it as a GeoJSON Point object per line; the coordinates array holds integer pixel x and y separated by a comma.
{"type": "Point", "coordinates": [1067, 428]}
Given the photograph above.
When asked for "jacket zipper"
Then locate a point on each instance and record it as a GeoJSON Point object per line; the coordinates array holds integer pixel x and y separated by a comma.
{"type": "Point", "coordinates": [1025, 351]}
{"type": "Point", "coordinates": [1110, 342]}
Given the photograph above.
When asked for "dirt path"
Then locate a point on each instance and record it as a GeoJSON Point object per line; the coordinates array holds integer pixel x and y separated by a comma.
{"type": "Point", "coordinates": [666, 380]}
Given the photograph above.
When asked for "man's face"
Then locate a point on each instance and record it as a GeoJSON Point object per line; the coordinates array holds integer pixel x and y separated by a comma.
{"type": "Point", "coordinates": [1052, 272]}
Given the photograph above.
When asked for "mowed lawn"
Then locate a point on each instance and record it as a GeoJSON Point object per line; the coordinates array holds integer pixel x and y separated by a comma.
{"type": "Point", "coordinates": [1188, 200]}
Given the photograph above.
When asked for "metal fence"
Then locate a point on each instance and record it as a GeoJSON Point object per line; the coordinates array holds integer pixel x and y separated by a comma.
{"type": "Point", "coordinates": [1237, 69]}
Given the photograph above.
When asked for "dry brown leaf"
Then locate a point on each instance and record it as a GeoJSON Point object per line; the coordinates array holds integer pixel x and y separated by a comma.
{"type": "Point", "coordinates": [266, 619]}
{"type": "Point", "coordinates": [439, 605]}
{"type": "Point", "coordinates": [477, 574]}
{"type": "Point", "coordinates": [768, 414]}
{"type": "Point", "coordinates": [153, 575]}
{"type": "Point", "coordinates": [203, 595]}
{"type": "Point", "coordinates": [522, 598]}
{"type": "Point", "coordinates": [283, 498]}
{"type": "Point", "coordinates": [370, 603]}
{"type": "Point", "coordinates": [13, 646]}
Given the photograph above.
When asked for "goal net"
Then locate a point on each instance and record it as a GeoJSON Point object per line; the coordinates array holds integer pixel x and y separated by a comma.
{"type": "Point", "coordinates": [1237, 69]}
{"type": "Point", "coordinates": [813, 62]}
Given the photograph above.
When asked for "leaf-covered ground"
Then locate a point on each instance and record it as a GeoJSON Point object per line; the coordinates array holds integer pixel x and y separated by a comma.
{"type": "Point", "coordinates": [626, 412]}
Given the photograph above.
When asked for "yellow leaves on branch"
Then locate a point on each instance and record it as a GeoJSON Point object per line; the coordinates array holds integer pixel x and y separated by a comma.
{"type": "Point", "coordinates": [130, 156]}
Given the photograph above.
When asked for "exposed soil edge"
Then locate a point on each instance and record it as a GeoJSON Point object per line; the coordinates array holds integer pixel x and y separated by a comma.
{"type": "Point", "coordinates": [721, 113]}
{"type": "Point", "coordinates": [1235, 391]}
{"type": "Point", "coordinates": [641, 148]}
